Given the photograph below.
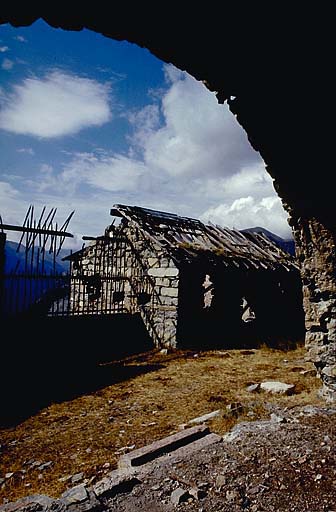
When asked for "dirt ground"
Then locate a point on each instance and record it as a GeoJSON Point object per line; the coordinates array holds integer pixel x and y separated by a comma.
{"type": "Point", "coordinates": [259, 466]}
{"type": "Point", "coordinates": [144, 398]}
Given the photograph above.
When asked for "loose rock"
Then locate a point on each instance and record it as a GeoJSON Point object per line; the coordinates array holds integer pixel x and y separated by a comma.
{"type": "Point", "coordinates": [277, 387]}
{"type": "Point", "coordinates": [77, 494]}
{"type": "Point", "coordinates": [77, 478]}
{"type": "Point", "coordinates": [179, 495]}
{"type": "Point", "coordinates": [197, 493]}
{"type": "Point", "coordinates": [253, 388]}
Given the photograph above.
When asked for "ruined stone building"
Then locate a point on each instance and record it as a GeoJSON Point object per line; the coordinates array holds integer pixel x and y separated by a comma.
{"type": "Point", "coordinates": [190, 282]}
{"type": "Point", "coordinates": [267, 87]}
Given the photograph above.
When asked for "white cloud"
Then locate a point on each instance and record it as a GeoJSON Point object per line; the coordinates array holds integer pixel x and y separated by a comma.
{"type": "Point", "coordinates": [187, 155]}
{"type": "Point", "coordinates": [11, 208]}
{"type": "Point", "coordinates": [114, 173]}
{"type": "Point", "coordinates": [205, 158]}
{"type": "Point", "coordinates": [21, 39]}
{"type": "Point", "coordinates": [4, 49]}
{"type": "Point", "coordinates": [145, 122]}
{"type": "Point", "coordinates": [199, 136]}
{"type": "Point", "coordinates": [247, 212]}
{"type": "Point", "coordinates": [7, 190]}
{"type": "Point", "coordinates": [198, 162]}
{"type": "Point", "coordinates": [7, 64]}
{"type": "Point", "coordinates": [56, 105]}
{"type": "Point", "coordinates": [46, 168]}
{"type": "Point", "coordinates": [28, 151]}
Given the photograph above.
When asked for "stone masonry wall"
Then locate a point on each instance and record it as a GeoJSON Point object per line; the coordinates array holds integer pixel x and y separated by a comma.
{"type": "Point", "coordinates": [315, 247]}
{"type": "Point", "coordinates": [129, 274]}
{"type": "Point", "coordinates": [151, 271]}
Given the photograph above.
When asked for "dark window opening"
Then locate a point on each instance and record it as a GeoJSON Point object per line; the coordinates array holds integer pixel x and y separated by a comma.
{"type": "Point", "coordinates": [93, 287]}
{"type": "Point", "coordinates": [118, 296]}
{"type": "Point", "coordinates": [143, 298]}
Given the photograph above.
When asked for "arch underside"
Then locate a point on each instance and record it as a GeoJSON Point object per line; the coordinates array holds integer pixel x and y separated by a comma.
{"type": "Point", "coordinates": [272, 71]}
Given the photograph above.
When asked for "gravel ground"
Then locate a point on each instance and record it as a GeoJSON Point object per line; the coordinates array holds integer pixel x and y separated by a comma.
{"type": "Point", "coordinates": [285, 464]}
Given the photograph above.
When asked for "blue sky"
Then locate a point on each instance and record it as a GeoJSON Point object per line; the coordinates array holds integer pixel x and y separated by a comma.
{"type": "Point", "coordinates": [87, 122]}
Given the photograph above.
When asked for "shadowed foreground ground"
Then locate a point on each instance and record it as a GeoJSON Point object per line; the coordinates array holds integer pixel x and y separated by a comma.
{"type": "Point", "coordinates": [141, 399]}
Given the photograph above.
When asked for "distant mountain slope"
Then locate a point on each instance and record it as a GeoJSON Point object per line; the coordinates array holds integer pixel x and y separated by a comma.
{"type": "Point", "coordinates": [285, 244]}
{"type": "Point", "coordinates": [16, 259]}
{"type": "Point", "coordinates": [31, 290]}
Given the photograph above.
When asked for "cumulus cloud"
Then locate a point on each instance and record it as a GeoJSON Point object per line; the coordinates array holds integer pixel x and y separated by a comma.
{"type": "Point", "coordinates": [203, 155]}
{"type": "Point", "coordinates": [4, 49]}
{"type": "Point", "coordinates": [187, 154]}
{"type": "Point", "coordinates": [250, 212]}
{"type": "Point", "coordinates": [114, 173]}
{"type": "Point", "coordinates": [56, 105]}
{"type": "Point", "coordinates": [199, 136]}
{"type": "Point", "coordinates": [7, 64]}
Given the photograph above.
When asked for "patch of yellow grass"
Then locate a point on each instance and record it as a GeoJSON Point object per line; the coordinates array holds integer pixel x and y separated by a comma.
{"type": "Point", "coordinates": [89, 433]}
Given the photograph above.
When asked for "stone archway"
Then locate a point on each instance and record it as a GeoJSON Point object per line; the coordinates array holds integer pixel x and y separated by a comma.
{"type": "Point", "coordinates": [273, 72]}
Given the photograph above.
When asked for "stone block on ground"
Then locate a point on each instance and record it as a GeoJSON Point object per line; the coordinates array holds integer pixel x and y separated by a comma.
{"type": "Point", "coordinates": [76, 494]}
{"type": "Point", "coordinates": [161, 447]}
{"type": "Point", "coordinates": [179, 496]}
{"type": "Point", "coordinates": [201, 419]}
{"type": "Point", "coordinates": [277, 387]}
{"type": "Point", "coordinates": [35, 502]}
{"type": "Point", "coordinates": [114, 483]}
{"type": "Point", "coordinates": [253, 388]}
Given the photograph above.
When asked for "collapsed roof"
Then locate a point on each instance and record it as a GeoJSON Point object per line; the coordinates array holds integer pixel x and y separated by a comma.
{"type": "Point", "coordinates": [188, 240]}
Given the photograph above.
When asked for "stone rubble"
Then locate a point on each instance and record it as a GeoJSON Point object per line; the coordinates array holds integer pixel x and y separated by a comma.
{"type": "Point", "coordinates": [271, 465]}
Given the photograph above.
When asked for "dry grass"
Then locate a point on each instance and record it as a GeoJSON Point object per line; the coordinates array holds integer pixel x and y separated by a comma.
{"type": "Point", "coordinates": [89, 433]}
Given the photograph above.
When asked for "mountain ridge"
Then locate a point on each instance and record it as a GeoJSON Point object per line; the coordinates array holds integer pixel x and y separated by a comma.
{"type": "Point", "coordinates": [287, 244]}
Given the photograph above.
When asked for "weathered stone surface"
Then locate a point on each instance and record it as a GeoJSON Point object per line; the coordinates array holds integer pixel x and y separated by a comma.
{"type": "Point", "coordinates": [76, 494]}
{"type": "Point", "coordinates": [277, 387]}
{"type": "Point", "coordinates": [77, 478]}
{"type": "Point", "coordinates": [202, 419]}
{"type": "Point", "coordinates": [253, 388]}
{"type": "Point", "coordinates": [162, 281]}
{"type": "Point", "coordinates": [197, 493]}
{"type": "Point", "coordinates": [178, 496]}
{"type": "Point", "coordinates": [169, 301]}
{"type": "Point", "coordinates": [277, 419]}
{"type": "Point", "coordinates": [114, 483]}
{"type": "Point", "coordinates": [233, 496]}
{"type": "Point", "coordinates": [170, 443]}
{"type": "Point", "coordinates": [163, 272]}
{"type": "Point", "coordinates": [329, 371]}
{"type": "Point", "coordinates": [315, 248]}
{"type": "Point", "coordinates": [34, 503]}
{"type": "Point", "coordinates": [169, 292]}
{"type": "Point", "coordinates": [221, 481]}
